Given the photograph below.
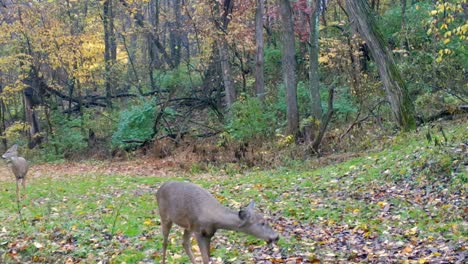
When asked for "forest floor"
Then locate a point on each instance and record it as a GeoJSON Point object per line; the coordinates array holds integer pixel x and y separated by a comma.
{"type": "Point", "coordinates": [406, 204]}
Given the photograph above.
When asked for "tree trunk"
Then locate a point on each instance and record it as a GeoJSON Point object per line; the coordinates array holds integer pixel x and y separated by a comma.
{"type": "Point", "coordinates": [259, 58]}
{"type": "Point", "coordinates": [224, 55]}
{"type": "Point", "coordinates": [153, 17]}
{"type": "Point", "coordinates": [395, 87]}
{"type": "Point", "coordinates": [403, 33]}
{"type": "Point", "coordinates": [314, 50]}
{"type": "Point", "coordinates": [175, 34]}
{"type": "Point", "coordinates": [2, 119]}
{"type": "Point", "coordinates": [35, 137]}
{"type": "Point", "coordinates": [109, 48]}
{"type": "Point", "coordinates": [289, 66]}
{"type": "Point", "coordinates": [226, 72]}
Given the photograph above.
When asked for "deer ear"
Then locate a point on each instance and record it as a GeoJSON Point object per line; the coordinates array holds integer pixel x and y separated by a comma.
{"type": "Point", "coordinates": [244, 214]}
{"type": "Point", "coordinates": [14, 147]}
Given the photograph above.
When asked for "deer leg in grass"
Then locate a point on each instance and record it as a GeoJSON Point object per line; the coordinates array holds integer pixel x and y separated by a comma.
{"type": "Point", "coordinates": [187, 245]}
{"type": "Point", "coordinates": [166, 228]}
{"type": "Point", "coordinates": [23, 183]}
{"type": "Point", "coordinates": [204, 244]}
{"type": "Point", "coordinates": [17, 189]}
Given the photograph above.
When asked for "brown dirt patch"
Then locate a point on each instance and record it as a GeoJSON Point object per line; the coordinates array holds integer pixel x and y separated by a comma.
{"type": "Point", "coordinates": [137, 167]}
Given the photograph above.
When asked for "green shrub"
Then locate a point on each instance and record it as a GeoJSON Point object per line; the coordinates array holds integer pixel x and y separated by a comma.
{"type": "Point", "coordinates": [431, 103]}
{"type": "Point", "coordinates": [136, 124]}
{"type": "Point", "coordinates": [272, 64]}
{"type": "Point", "coordinates": [303, 100]}
{"type": "Point", "coordinates": [249, 120]}
{"type": "Point", "coordinates": [343, 102]}
{"type": "Point", "coordinates": [68, 138]}
{"type": "Point", "coordinates": [179, 77]}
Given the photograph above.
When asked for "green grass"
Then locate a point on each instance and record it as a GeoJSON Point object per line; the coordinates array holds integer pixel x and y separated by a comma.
{"type": "Point", "coordinates": [411, 191]}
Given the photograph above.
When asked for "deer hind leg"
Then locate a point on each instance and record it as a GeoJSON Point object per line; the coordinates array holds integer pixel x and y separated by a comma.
{"type": "Point", "coordinates": [166, 228]}
{"type": "Point", "coordinates": [187, 245]}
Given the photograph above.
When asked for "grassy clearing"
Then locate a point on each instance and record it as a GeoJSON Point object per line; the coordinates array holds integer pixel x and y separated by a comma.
{"type": "Point", "coordinates": [406, 203]}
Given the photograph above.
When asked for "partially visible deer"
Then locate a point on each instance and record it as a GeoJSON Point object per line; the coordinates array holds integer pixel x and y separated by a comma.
{"type": "Point", "coordinates": [18, 165]}
{"type": "Point", "coordinates": [200, 214]}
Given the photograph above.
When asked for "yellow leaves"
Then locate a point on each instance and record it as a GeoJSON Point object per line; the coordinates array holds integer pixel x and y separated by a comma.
{"type": "Point", "coordinates": [382, 204]}
{"type": "Point", "coordinates": [454, 228]}
{"type": "Point", "coordinates": [11, 89]}
{"type": "Point", "coordinates": [14, 131]}
{"type": "Point", "coordinates": [285, 140]}
{"type": "Point", "coordinates": [444, 26]}
{"type": "Point", "coordinates": [411, 232]}
{"type": "Point", "coordinates": [148, 222]}
{"type": "Point", "coordinates": [422, 261]}
{"type": "Point", "coordinates": [324, 59]}
{"type": "Point", "coordinates": [220, 198]}
{"type": "Point", "coordinates": [442, 53]}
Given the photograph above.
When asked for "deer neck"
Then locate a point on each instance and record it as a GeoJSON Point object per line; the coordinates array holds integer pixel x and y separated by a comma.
{"type": "Point", "coordinates": [228, 220]}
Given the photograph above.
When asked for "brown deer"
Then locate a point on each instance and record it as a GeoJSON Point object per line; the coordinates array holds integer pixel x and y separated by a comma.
{"type": "Point", "coordinates": [18, 165]}
{"type": "Point", "coordinates": [199, 213]}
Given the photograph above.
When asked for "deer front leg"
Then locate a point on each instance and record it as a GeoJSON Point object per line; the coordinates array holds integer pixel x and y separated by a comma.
{"type": "Point", "coordinates": [17, 190]}
{"type": "Point", "coordinates": [187, 245]}
{"type": "Point", "coordinates": [204, 244]}
{"type": "Point", "coordinates": [23, 183]}
{"type": "Point", "coordinates": [166, 228]}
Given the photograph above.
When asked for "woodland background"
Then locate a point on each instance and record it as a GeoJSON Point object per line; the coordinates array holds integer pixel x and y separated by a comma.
{"type": "Point", "coordinates": [244, 78]}
{"type": "Point", "coordinates": [344, 120]}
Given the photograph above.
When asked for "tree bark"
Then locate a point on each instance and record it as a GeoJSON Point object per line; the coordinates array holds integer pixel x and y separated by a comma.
{"type": "Point", "coordinates": [259, 58]}
{"type": "Point", "coordinates": [403, 33]}
{"type": "Point", "coordinates": [109, 48]}
{"type": "Point", "coordinates": [314, 50]}
{"type": "Point", "coordinates": [289, 66]}
{"type": "Point", "coordinates": [175, 34]}
{"type": "Point", "coordinates": [153, 17]}
{"type": "Point", "coordinates": [325, 120]}
{"type": "Point", "coordinates": [2, 119]}
{"type": "Point", "coordinates": [224, 55]}
{"type": "Point", "coordinates": [395, 86]}
{"type": "Point", "coordinates": [229, 88]}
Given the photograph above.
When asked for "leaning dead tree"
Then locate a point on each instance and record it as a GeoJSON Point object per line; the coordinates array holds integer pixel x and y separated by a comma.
{"type": "Point", "coordinates": [395, 87]}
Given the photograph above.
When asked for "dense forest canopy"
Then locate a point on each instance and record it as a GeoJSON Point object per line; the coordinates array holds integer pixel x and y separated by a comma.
{"type": "Point", "coordinates": [114, 75]}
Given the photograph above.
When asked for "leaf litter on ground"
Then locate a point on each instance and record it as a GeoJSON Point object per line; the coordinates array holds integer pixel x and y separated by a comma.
{"type": "Point", "coordinates": [406, 204]}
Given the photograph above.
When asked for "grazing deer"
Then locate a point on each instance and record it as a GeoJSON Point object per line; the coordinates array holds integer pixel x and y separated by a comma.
{"type": "Point", "coordinates": [18, 165]}
{"type": "Point", "coordinates": [199, 213]}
